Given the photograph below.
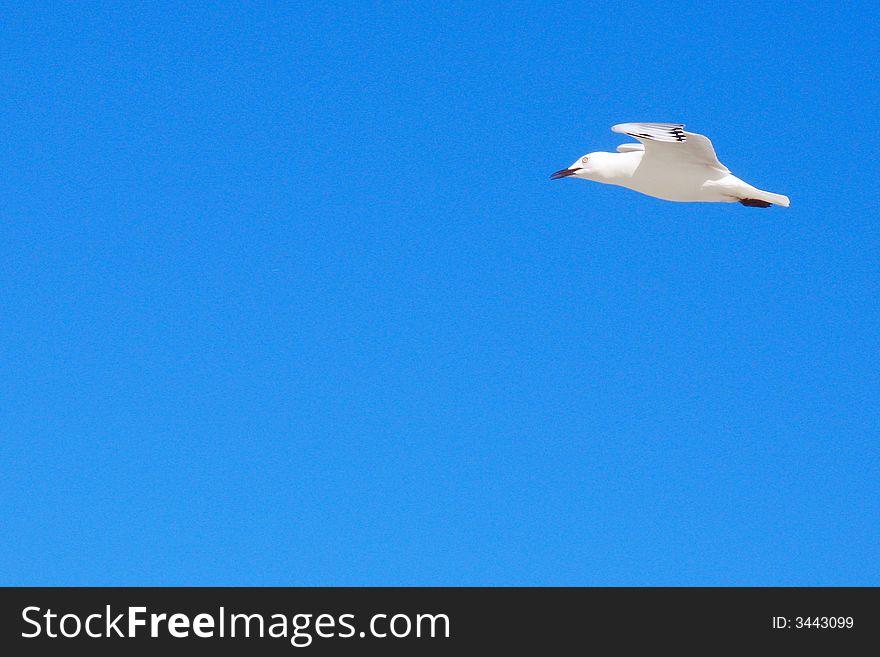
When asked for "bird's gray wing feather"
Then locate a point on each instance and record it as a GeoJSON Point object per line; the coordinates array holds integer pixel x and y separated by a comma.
{"type": "Point", "coordinates": [669, 141]}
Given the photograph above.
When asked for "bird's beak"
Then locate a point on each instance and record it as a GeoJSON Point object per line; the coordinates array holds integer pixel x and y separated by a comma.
{"type": "Point", "coordinates": [564, 173]}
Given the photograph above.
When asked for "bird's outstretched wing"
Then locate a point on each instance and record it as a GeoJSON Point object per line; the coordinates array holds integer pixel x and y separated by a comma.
{"type": "Point", "coordinates": [670, 143]}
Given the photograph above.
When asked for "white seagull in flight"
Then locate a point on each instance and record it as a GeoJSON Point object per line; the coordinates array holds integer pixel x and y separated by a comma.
{"type": "Point", "coordinates": [670, 164]}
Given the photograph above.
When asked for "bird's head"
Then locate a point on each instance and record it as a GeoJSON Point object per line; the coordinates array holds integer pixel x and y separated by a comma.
{"type": "Point", "coordinates": [588, 167]}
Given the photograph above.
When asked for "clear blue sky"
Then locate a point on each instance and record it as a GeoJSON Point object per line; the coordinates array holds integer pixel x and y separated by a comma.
{"type": "Point", "coordinates": [288, 298]}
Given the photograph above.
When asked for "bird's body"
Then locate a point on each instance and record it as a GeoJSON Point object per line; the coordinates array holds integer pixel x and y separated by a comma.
{"type": "Point", "coordinates": [669, 164]}
{"type": "Point", "coordinates": [675, 181]}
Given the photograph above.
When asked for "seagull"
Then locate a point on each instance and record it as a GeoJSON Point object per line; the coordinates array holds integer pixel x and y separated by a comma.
{"type": "Point", "coordinates": [670, 164]}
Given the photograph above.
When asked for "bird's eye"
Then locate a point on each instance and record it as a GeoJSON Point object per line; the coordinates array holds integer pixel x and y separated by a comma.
{"type": "Point", "coordinates": [584, 160]}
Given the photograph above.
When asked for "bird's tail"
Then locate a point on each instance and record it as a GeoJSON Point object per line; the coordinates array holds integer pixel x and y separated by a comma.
{"type": "Point", "coordinates": [770, 197]}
